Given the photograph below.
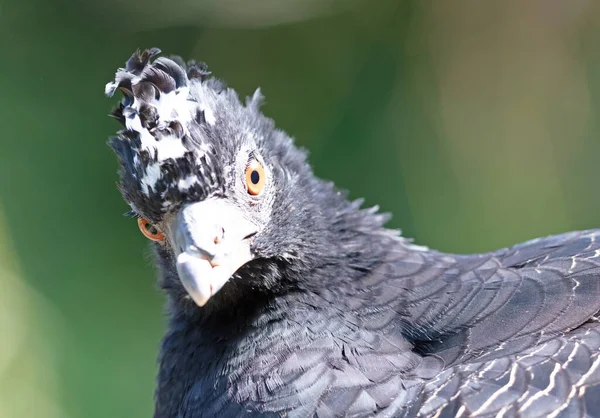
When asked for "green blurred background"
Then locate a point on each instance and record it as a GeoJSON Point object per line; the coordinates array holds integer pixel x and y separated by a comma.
{"type": "Point", "coordinates": [475, 122]}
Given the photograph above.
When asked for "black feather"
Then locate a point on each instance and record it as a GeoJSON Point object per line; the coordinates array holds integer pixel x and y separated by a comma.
{"type": "Point", "coordinates": [139, 60]}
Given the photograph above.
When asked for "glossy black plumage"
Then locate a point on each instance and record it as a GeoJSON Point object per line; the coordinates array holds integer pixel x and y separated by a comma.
{"type": "Point", "coordinates": [338, 316]}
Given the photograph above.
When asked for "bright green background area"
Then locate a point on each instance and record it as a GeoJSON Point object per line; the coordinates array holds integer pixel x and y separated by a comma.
{"type": "Point", "coordinates": [475, 123]}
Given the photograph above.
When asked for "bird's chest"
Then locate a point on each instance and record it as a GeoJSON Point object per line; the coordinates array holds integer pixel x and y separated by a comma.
{"type": "Point", "coordinates": [204, 374]}
{"type": "Point", "coordinates": [276, 366]}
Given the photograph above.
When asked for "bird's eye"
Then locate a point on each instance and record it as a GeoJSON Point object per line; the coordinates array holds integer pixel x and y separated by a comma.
{"type": "Point", "coordinates": [150, 230]}
{"type": "Point", "coordinates": [255, 177]}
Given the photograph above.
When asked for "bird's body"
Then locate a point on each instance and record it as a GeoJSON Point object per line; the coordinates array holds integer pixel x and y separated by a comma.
{"type": "Point", "coordinates": [416, 333]}
{"type": "Point", "coordinates": [331, 314]}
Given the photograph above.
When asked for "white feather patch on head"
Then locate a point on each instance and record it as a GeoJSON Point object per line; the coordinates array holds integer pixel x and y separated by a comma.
{"type": "Point", "coordinates": [151, 176]}
{"type": "Point", "coordinates": [180, 105]}
{"type": "Point", "coordinates": [174, 106]}
{"type": "Point", "coordinates": [110, 88]}
{"type": "Point", "coordinates": [187, 182]}
{"type": "Point", "coordinates": [170, 147]}
{"type": "Point", "coordinates": [148, 141]}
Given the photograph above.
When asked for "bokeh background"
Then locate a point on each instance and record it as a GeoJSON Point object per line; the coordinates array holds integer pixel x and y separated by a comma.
{"type": "Point", "coordinates": [476, 122]}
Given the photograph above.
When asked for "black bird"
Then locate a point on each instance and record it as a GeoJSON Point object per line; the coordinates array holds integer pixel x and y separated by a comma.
{"type": "Point", "coordinates": [286, 299]}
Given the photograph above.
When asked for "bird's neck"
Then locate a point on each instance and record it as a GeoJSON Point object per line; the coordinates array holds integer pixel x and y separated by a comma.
{"type": "Point", "coordinates": [334, 245]}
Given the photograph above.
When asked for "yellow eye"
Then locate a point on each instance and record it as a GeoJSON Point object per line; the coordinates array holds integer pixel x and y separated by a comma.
{"type": "Point", "coordinates": [255, 177]}
{"type": "Point", "coordinates": [150, 230]}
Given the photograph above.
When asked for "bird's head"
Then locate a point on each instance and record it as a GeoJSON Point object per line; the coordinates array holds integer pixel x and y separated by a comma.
{"type": "Point", "coordinates": [211, 179]}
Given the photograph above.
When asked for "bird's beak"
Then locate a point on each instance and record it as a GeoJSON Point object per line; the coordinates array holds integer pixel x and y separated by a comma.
{"type": "Point", "coordinates": [211, 240]}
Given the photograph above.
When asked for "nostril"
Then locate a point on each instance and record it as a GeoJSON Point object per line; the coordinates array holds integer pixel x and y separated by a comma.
{"type": "Point", "coordinates": [219, 236]}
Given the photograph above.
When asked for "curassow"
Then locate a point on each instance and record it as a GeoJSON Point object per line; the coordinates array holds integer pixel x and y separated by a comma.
{"type": "Point", "coordinates": [286, 299]}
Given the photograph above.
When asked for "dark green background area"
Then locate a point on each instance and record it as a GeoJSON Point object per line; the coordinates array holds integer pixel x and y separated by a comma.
{"type": "Point", "coordinates": [475, 123]}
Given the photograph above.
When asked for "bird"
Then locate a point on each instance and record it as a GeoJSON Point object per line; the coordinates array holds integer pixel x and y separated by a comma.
{"type": "Point", "coordinates": [286, 298]}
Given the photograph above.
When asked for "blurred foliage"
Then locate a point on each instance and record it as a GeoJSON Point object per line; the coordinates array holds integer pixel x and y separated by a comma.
{"type": "Point", "coordinates": [474, 122]}
{"type": "Point", "coordinates": [28, 369]}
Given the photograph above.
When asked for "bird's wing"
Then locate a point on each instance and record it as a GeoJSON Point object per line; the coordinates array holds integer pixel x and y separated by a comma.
{"type": "Point", "coordinates": [518, 330]}
{"type": "Point", "coordinates": [557, 378]}
{"type": "Point", "coordinates": [487, 306]}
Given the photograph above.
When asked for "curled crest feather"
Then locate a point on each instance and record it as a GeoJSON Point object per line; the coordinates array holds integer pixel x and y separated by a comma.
{"type": "Point", "coordinates": [171, 112]}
